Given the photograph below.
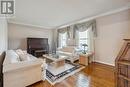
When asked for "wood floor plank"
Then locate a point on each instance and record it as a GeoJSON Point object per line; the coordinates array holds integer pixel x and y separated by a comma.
{"type": "Point", "coordinates": [95, 75]}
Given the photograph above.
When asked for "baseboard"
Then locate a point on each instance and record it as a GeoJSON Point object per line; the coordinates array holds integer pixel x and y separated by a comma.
{"type": "Point", "coordinates": [104, 63]}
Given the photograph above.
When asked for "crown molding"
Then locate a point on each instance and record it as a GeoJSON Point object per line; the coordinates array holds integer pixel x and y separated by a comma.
{"type": "Point", "coordinates": [27, 24]}
{"type": "Point", "coordinates": [84, 19]}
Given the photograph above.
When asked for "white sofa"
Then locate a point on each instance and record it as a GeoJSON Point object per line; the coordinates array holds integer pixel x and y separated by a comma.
{"type": "Point", "coordinates": [18, 73]}
{"type": "Point", "coordinates": [69, 51]}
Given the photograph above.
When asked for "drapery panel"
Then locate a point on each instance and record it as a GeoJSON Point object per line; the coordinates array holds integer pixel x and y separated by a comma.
{"type": "Point", "coordinates": [92, 33]}
{"type": "Point", "coordinates": [84, 26]}
{"type": "Point", "coordinates": [90, 38]}
{"type": "Point", "coordinates": [80, 28]}
{"type": "Point", "coordinates": [61, 31]}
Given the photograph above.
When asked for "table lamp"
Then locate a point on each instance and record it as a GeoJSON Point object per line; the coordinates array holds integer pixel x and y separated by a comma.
{"type": "Point", "coordinates": [84, 45]}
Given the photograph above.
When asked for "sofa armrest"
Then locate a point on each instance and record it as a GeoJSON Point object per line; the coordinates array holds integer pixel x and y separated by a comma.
{"type": "Point", "coordinates": [22, 65]}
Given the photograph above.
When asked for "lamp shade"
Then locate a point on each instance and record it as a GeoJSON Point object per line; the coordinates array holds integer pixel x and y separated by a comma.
{"type": "Point", "coordinates": [85, 45]}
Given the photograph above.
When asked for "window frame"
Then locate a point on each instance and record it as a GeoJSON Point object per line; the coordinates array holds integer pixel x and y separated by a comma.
{"type": "Point", "coordinates": [82, 39]}
{"type": "Point", "coordinates": [62, 39]}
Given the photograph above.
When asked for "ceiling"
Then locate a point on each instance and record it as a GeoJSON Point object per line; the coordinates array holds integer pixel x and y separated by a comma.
{"type": "Point", "coordinates": [50, 14]}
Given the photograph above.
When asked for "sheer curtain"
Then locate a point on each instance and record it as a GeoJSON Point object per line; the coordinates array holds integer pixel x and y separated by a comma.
{"type": "Point", "coordinates": [82, 37]}
{"type": "Point", "coordinates": [62, 39]}
{"type": "Point", "coordinates": [90, 26]}
{"type": "Point", "coordinates": [60, 32]}
{"type": "Point", "coordinates": [91, 39]}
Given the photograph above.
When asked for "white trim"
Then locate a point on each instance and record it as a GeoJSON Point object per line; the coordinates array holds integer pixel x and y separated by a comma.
{"type": "Point", "coordinates": [75, 21]}
{"type": "Point", "coordinates": [97, 16]}
{"type": "Point", "coordinates": [27, 24]}
{"type": "Point", "coordinates": [104, 63]}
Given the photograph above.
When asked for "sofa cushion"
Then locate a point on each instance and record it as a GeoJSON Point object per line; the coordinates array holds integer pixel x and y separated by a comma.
{"type": "Point", "coordinates": [27, 57]}
{"type": "Point", "coordinates": [69, 49]}
{"type": "Point", "coordinates": [23, 55]}
{"type": "Point", "coordinates": [11, 57]}
{"type": "Point", "coordinates": [19, 52]}
{"type": "Point", "coordinates": [64, 53]}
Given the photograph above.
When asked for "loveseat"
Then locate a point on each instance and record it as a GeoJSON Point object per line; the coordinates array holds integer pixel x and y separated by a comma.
{"type": "Point", "coordinates": [21, 70]}
{"type": "Point", "coordinates": [69, 51]}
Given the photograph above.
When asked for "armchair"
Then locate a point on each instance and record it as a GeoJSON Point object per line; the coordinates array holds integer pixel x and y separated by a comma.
{"type": "Point", "coordinates": [69, 51]}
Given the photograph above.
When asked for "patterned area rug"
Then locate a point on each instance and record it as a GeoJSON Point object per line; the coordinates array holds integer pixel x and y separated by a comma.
{"type": "Point", "coordinates": [54, 76]}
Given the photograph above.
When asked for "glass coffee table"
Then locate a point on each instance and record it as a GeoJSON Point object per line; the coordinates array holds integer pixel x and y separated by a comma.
{"type": "Point", "coordinates": [57, 60]}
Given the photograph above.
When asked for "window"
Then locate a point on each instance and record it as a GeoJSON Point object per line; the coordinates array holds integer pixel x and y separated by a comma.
{"type": "Point", "coordinates": [62, 39]}
{"type": "Point", "coordinates": [83, 38]}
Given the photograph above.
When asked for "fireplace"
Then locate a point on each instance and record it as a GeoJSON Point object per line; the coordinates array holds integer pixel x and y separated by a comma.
{"type": "Point", "coordinates": [37, 46]}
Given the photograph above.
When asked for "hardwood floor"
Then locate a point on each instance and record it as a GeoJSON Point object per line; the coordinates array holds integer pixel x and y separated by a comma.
{"type": "Point", "coordinates": [95, 75]}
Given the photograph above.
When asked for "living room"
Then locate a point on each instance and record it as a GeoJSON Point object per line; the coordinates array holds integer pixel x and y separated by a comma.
{"type": "Point", "coordinates": [76, 44]}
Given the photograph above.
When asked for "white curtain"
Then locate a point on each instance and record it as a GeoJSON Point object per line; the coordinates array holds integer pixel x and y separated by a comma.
{"type": "Point", "coordinates": [90, 25]}
{"type": "Point", "coordinates": [90, 39]}
{"type": "Point", "coordinates": [62, 31]}
{"type": "Point", "coordinates": [92, 33]}
{"type": "Point", "coordinates": [61, 41]}
{"type": "Point", "coordinates": [84, 26]}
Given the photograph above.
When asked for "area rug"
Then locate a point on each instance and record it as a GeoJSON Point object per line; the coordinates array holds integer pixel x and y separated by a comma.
{"type": "Point", "coordinates": [57, 75]}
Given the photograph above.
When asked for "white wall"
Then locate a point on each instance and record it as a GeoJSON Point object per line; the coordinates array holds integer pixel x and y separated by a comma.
{"type": "Point", "coordinates": [17, 35]}
{"type": "Point", "coordinates": [111, 30]}
{"type": "Point", "coordinates": [3, 35]}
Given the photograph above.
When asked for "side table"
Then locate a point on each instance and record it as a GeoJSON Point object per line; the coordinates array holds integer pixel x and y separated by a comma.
{"type": "Point", "coordinates": [84, 59]}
